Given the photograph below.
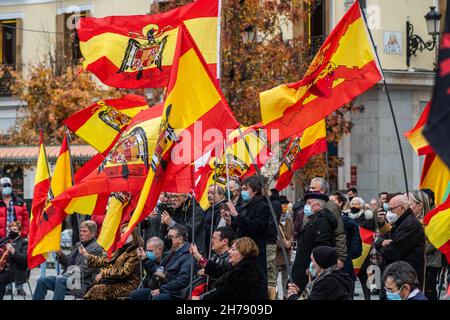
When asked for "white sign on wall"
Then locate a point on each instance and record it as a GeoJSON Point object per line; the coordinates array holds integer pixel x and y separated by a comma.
{"type": "Point", "coordinates": [392, 42]}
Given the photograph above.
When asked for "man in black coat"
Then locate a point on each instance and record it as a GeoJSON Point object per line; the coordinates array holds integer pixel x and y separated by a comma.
{"type": "Point", "coordinates": [318, 231]}
{"type": "Point", "coordinates": [253, 219]}
{"type": "Point", "coordinates": [406, 241]}
{"type": "Point", "coordinates": [181, 214]}
{"type": "Point", "coordinates": [328, 281]}
{"type": "Point", "coordinates": [16, 265]}
{"type": "Point", "coordinates": [216, 197]}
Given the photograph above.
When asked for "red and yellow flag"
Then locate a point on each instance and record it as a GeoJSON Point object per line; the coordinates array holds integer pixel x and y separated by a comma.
{"type": "Point", "coordinates": [48, 233]}
{"type": "Point", "coordinates": [344, 68]}
{"type": "Point", "coordinates": [435, 176]}
{"type": "Point", "coordinates": [101, 124]}
{"type": "Point", "coordinates": [139, 51]}
{"type": "Point", "coordinates": [367, 237]}
{"type": "Point", "coordinates": [313, 141]}
{"type": "Point", "coordinates": [239, 162]}
{"type": "Point", "coordinates": [41, 187]}
{"type": "Point", "coordinates": [415, 136]}
{"type": "Point", "coordinates": [194, 105]}
{"type": "Point", "coordinates": [437, 228]}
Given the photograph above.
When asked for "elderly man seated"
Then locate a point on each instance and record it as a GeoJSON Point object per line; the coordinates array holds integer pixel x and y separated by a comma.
{"type": "Point", "coordinates": [76, 274]}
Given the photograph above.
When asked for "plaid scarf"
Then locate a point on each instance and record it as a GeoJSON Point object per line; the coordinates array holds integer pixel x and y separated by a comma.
{"type": "Point", "coordinates": [11, 214]}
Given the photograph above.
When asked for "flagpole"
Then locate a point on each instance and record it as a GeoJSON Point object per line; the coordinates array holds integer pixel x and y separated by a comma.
{"type": "Point", "coordinates": [327, 164]}
{"type": "Point", "coordinates": [226, 168]}
{"type": "Point", "coordinates": [219, 42]}
{"type": "Point", "coordinates": [77, 215]}
{"type": "Point", "coordinates": [269, 202]}
{"type": "Point", "coordinates": [389, 100]}
{"type": "Point", "coordinates": [140, 260]}
{"type": "Point", "coordinates": [193, 240]}
{"type": "Point", "coordinates": [284, 159]}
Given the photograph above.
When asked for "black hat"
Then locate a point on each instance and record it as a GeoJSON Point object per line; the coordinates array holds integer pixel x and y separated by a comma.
{"type": "Point", "coordinates": [325, 256]}
{"type": "Point", "coordinates": [316, 195]}
{"type": "Point", "coordinates": [283, 199]}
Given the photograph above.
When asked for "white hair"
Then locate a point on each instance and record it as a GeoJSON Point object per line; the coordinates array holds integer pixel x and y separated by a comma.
{"type": "Point", "coordinates": [157, 242]}
{"type": "Point", "coordinates": [323, 183]}
{"type": "Point", "coordinates": [361, 201]}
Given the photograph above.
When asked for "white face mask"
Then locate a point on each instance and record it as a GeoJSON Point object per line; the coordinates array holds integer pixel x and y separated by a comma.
{"type": "Point", "coordinates": [391, 217]}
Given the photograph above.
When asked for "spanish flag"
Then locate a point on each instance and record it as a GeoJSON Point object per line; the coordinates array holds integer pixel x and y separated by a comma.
{"type": "Point", "coordinates": [415, 136]}
{"type": "Point", "coordinates": [41, 187]}
{"type": "Point", "coordinates": [194, 105]}
{"type": "Point", "coordinates": [367, 237]}
{"type": "Point", "coordinates": [124, 169]}
{"type": "Point", "coordinates": [437, 228]}
{"type": "Point", "coordinates": [238, 160]}
{"type": "Point", "coordinates": [101, 124]}
{"type": "Point", "coordinates": [48, 233]}
{"type": "Point", "coordinates": [435, 176]}
{"type": "Point", "coordinates": [139, 51]}
{"type": "Point", "coordinates": [312, 142]}
{"type": "Point", "coordinates": [344, 68]}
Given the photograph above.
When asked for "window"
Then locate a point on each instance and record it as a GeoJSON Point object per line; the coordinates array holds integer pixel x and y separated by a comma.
{"type": "Point", "coordinates": [67, 42]}
{"type": "Point", "coordinates": [8, 42]}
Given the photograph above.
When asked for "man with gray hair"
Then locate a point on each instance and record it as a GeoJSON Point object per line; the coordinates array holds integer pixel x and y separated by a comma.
{"type": "Point", "coordinates": [406, 241]}
{"type": "Point", "coordinates": [321, 185]}
{"type": "Point", "coordinates": [73, 280]}
{"type": "Point", "coordinates": [400, 282]}
{"type": "Point", "coordinates": [318, 231]}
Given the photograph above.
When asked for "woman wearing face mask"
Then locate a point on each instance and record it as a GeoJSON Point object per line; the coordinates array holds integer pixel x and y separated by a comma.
{"type": "Point", "coordinates": [326, 280]}
{"type": "Point", "coordinates": [119, 275]}
{"type": "Point", "coordinates": [366, 220]}
{"type": "Point", "coordinates": [421, 205]}
{"type": "Point", "coordinates": [12, 208]}
{"type": "Point", "coordinates": [15, 254]}
{"type": "Point", "coordinates": [246, 281]}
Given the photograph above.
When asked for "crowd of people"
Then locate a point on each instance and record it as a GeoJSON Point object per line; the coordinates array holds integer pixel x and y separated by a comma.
{"type": "Point", "coordinates": [248, 238]}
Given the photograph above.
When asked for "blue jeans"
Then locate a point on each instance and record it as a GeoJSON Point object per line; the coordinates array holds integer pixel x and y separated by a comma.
{"type": "Point", "coordinates": [140, 294]}
{"type": "Point", "coordinates": [57, 284]}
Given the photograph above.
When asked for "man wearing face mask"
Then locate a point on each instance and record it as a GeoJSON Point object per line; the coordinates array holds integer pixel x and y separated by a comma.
{"type": "Point", "coordinates": [406, 241]}
{"type": "Point", "coordinates": [15, 269]}
{"type": "Point", "coordinates": [327, 281]}
{"type": "Point", "coordinates": [216, 197]}
{"type": "Point", "coordinates": [318, 231]}
{"type": "Point", "coordinates": [12, 208]}
{"type": "Point", "coordinates": [400, 282]}
{"type": "Point", "coordinates": [150, 258]}
{"type": "Point", "coordinates": [321, 185]}
{"type": "Point", "coordinates": [235, 190]}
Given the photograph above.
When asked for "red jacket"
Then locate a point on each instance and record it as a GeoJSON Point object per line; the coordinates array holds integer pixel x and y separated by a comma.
{"type": "Point", "coordinates": [22, 216]}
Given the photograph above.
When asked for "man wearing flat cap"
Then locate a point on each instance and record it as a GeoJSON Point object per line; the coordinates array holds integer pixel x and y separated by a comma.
{"type": "Point", "coordinates": [318, 231]}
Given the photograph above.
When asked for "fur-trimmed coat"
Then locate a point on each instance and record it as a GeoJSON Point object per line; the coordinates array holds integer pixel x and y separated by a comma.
{"type": "Point", "coordinates": [120, 274]}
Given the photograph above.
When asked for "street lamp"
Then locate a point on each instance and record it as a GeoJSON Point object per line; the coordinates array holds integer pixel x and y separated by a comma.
{"type": "Point", "coordinates": [416, 43]}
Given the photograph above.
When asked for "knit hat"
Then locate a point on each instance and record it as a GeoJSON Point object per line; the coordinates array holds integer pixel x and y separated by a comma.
{"type": "Point", "coordinates": [325, 256]}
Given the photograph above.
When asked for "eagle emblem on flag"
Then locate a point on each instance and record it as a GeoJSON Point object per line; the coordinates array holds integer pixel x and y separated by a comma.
{"type": "Point", "coordinates": [111, 116]}
{"type": "Point", "coordinates": [140, 55]}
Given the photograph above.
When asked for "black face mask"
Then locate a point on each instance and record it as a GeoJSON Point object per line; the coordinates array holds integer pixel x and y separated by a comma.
{"type": "Point", "coordinates": [13, 234]}
{"type": "Point", "coordinates": [354, 210]}
{"type": "Point", "coordinates": [168, 243]}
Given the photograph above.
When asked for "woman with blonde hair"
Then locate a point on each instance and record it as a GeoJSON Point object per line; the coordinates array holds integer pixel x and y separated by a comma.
{"type": "Point", "coordinates": [421, 204]}
{"type": "Point", "coordinates": [246, 281]}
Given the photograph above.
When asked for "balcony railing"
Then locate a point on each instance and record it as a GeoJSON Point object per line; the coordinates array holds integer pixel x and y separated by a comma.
{"type": "Point", "coordinates": [6, 80]}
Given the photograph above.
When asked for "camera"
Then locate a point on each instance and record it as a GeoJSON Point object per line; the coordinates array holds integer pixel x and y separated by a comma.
{"type": "Point", "coordinates": [165, 206]}
{"type": "Point", "coordinates": [224, 207]}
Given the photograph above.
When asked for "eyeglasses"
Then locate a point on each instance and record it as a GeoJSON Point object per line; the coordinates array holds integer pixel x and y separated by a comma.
{"type": "Point", "coordinates": [172, 236]}
{"type": "Point", "coordinates": [392, 208]}
{"type": "Point", "coordinates": [394, 290]}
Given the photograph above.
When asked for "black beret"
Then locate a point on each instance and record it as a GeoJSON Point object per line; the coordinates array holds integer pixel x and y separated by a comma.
{"type": "Point", "coordinates": [283, 199]}
{"type": "Point", "coordinates": [325, 256]}
{"type": "Point", "coordinates": [316, 195]}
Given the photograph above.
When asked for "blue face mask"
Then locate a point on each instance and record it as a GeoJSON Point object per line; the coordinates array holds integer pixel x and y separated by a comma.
{"type": "Point", "coordinates": [312, 271]}
{"type": "Point", "coordinates": [393, 296]}
{"type": "Point", "coordinates": [307, 210]}
{"type": "Point", "coordinates": [245, 195]}
{"type": "Point", "coordinates": [6, 191]}
{"type": "Point", "coordinates": [385, 206]}
{"type": "Point", "coordinates": [151, 256]}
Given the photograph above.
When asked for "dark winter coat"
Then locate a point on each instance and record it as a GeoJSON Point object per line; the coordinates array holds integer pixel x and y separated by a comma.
{"type": "Point", "coordinates": [271, 226]}
{"type": "Point", "coordinates": [215, 220]}
{"type": "Point", "coordinates": [21, 215]}
{"type": "Point", "coordinates": [18, 261]}
{"type": "Point", "coordinates": [246, 281]}
{"type": "Point", "coordinates": [252, 222]}
{"type": "Point", "coordinates": [335, 286]}
{"type": "Point", "coordinates": [318, 231]}
{"type": "Point", "coordinates": [216, 267]}
{"type": "Point", "coordinates": [354, 245]}
{"type": "Point", "coordinates": [183, 216]}
{"type": "Point", "coordinates": [177, 268]}
{"type": "Point", "coordinates": [408, 243]}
